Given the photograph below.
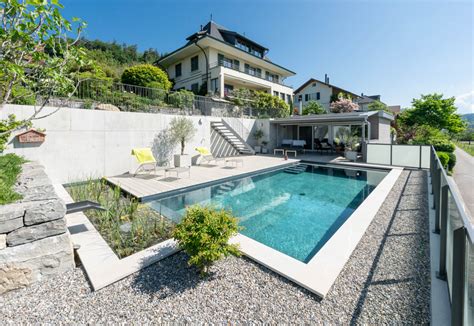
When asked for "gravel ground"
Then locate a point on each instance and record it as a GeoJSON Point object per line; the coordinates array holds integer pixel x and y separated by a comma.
{"type": "Point", "coordinates": [386, 280]}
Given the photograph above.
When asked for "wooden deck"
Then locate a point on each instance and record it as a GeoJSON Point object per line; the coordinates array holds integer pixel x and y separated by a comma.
{"type": "Point", "coordinates": [146, 185]}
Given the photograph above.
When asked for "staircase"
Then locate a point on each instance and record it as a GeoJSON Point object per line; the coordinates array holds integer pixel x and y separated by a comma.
{"type": "Point", "coordinates": [296, 169]}
{"type": "Point", "coordinates": [232, 137]}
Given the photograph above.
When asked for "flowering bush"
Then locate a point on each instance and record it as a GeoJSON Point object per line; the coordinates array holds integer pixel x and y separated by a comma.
{"type": "Point", "coordinates": [343, 105]}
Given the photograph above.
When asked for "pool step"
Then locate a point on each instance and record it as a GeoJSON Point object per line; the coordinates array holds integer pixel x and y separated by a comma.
{"type": "Point", "coordinates": [296, 169]}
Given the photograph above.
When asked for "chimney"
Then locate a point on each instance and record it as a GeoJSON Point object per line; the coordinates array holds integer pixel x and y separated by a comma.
{"type": "Point", "coordinates": [201, 28]}
{"type": "Point", "coordinates": [326, 78]}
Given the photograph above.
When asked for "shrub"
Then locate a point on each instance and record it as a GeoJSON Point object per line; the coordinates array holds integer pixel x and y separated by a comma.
{"type": "Point", "coordinates": [204, 234]}
{"type": "Point", "coordinates": [273, 106]}
{"type": "Point", "coordinates": [313, 107]}
{"type": "Point", "coordinates": [452, 161]}
{"type": "Point", "coordinates": [443, 158]}
{"type": "Point", "coordinates": [443, 145]}
{"type": "Point", "coordinates": [10, 167]}
{"type": "Point", "coordinates": [144, 75]}
{"type": "Point", "coordinates": [343, 105]}
{"type": "Point", "coordinates": [181, 99]}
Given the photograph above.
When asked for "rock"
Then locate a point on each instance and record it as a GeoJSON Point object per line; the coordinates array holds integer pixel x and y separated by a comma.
{"type": "Point", "coordinates": [35, 232]}
{"type": "Point", "coordinates": [44, 211]}
{"type": "Point", "coordinates": [31, 262]}
{"type": "Point", "coordinates": [41, 192]}
{"type": "Point", "coordinates": [126, 227]}
{"type": "Point", "coordinates": [107, 107]}
{"type": "Point", "coordinates": [12, 277]}
{"type": "Point", "coordinates": [11, 225]}
{"type": "Point", "coordinates": [3, 241]}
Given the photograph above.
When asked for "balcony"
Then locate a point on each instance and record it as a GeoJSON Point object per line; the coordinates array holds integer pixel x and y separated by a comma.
{"type": "Point", "coordinates": [251, 72]}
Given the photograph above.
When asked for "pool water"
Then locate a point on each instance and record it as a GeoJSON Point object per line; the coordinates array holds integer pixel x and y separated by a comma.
{"type": "Point", "coordinates": [294, 213]}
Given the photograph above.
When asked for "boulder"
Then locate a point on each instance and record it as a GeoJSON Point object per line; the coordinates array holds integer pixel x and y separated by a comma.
{"type": "Point", "coordinates": [35, 232]}
{"type": "Point", "coordinates": [11, 217]}
{"type": "Point", "coordinates": [107, 107]}
{"type": "Point", "coordinates": [12, 277]}
{"type": "Point", "coordinates": [44, 211]}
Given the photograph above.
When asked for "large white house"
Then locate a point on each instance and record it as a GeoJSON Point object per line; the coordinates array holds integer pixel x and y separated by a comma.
{"type": "Point", "coordinates": [216, 61]}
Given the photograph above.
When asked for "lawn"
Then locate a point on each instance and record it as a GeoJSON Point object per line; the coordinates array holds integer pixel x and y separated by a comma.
{"type": "Point", "coordinates": [126, 225]}
{"type": "Point", "coordinates": [10, 168]}
{"type": "Point", "coordinates": [468, 148]}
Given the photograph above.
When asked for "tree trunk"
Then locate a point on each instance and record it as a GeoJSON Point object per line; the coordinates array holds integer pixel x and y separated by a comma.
{"type": "Point", "coordinates": [182, 146]}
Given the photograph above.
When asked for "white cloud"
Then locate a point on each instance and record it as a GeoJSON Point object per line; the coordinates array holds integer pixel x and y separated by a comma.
{"type": "Point", "coordinates": [465, 102]}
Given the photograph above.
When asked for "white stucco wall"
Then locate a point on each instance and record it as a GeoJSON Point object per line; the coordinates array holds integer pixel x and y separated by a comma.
{"type": "Point", "coordinates": [90, 143]}
{"type": "Point", "coordinates": [313, 88]}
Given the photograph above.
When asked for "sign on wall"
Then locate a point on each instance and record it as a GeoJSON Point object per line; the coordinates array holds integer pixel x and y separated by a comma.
{"type": "Point", "coordinates": [31, 136]}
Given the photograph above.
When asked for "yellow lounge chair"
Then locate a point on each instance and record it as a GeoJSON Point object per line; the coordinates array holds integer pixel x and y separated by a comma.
{"type": "Point", "coordinates": [206, 155]}
{"type": "Point", "coordinates": [146, 160]}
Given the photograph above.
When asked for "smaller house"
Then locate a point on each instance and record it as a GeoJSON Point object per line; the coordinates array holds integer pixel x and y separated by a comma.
{"type": "Point", "coordinates": [365, 100]}
{"type": "Point", "coordinates": [372, 127]}
{"type": "Point", "coordinates": [319, 91]}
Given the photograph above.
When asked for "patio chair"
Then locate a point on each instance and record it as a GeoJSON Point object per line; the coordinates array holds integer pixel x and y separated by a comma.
{"type": "Point", "coordinates": [298, 145]}
{"type": "Point", "coordinates": [146, 160]}
{"type": "Point", "coordinates": [322, 146]}
{"type": "Point", "coordinates": [206, 156]}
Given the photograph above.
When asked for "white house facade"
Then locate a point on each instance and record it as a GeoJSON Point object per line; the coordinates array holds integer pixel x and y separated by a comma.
{"type": "Point", "coordinates": [217, 61]}
{"type": "Point", "coordinates": [319, 91]}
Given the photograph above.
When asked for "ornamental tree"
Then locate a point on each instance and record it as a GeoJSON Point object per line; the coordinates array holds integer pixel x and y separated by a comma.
{"type": "Point", "coordinates": [343, 105]}
{"type": "Point", "coordinates": [146, 75]}
{"type": "Point", "coordinates": [435, 111]}
{"type": "Point", "coordinates": [313, 107]}
{"type": "Point", "coordinates": [36, 54]}
{"type": "Point", "coordinates": [182, 130]}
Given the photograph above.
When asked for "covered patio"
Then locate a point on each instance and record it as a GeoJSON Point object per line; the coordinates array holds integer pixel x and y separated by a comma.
{"type": "Point", "coordinates": [372, 126]}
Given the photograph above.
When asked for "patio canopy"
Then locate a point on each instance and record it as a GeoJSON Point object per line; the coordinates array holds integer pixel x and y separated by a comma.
{"type": "Point", "coordinates": [331, 118]}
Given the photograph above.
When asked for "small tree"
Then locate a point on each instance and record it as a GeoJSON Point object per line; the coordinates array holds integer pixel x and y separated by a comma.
{"type": "Point", "coordinates": [313, 107]}
{"type": "Point", "coordinates": [378, 106]}
{"type": "Point", "coordinates": [146, 75]}
{"type": "Point", "coordinates": [36, 56]}
{"type": "Point", "coordinates": [258, 135]}
{"type": "Point", "coordinates": [182, 130]}
{"type": "Point", "coordinates": [204, 234]}
{"type": "Point", "coordinates": [343, 106]}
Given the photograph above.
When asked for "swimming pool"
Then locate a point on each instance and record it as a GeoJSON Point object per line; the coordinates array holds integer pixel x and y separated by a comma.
{"type": "Point", "coordinates": [294, 210]}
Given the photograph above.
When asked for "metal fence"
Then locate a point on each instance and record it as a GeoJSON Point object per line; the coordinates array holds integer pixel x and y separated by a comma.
{"type": "Point", "coordinates": [455, 227]}
{"type": "Point", "coordinates": [410, 156]}
{"type": "Point", "coordinates": [92, 94]}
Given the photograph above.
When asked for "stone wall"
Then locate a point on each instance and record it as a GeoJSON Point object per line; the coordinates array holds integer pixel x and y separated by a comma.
{"type": "Point", "coordinates": [34, 241]}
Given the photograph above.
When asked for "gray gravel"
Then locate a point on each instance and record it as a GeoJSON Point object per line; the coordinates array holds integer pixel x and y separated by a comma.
{"type": "Point", "coordinates": [386, 280]}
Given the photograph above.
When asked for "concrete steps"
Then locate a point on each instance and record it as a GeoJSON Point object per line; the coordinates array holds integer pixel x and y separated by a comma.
{"type": "Point", "coordinates": [232, 138]}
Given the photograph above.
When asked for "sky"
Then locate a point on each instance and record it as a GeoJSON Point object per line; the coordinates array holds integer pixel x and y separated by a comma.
{"type": "Point", "coordinates": [396, 48]}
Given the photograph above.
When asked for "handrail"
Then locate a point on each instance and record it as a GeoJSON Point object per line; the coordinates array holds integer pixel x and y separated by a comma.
{"type": "Point", "coordinates": [460, 205]}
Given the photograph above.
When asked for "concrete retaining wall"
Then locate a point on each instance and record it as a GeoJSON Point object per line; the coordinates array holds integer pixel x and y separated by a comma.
{"type": "Point", "coordinates": [34, 242]}
{"type": "Point", "coordinates": [89, 143]}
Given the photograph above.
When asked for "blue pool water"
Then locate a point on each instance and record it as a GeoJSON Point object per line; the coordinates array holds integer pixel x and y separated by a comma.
{"type": "Point", "coordinates": [292, 213]}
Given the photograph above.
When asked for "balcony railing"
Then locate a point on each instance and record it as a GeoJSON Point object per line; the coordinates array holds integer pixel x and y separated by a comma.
{"type": "Point", "coordinates": [250, 72]}
{"type": "Point", "coordinates": [455, 227]}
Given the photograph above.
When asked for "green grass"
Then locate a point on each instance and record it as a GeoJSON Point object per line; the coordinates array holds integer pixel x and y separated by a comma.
{"type": "Point", "coordinates": [466, 147]}
{"type": "Point", "coordinates": [146, 226]}
{"type": "Point", "coordinates": [10, 168]}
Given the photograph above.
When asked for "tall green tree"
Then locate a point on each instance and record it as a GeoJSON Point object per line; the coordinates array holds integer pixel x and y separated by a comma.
{"type": "Point", "coordinates": [36, 53]}
{"type": "Point", "coordinates": [313, 107]}
{"type": "Point", "coordinates": [435, 111]}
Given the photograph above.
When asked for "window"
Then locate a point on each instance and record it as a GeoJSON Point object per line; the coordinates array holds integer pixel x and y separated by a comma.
{"type": "Point", "coordinates": [306, 97]}
{"type": "Point", "coordinates": [258, 72]}
{"type": "Point", "coordinates": [236, 65]}
{"type": "Point", "coordinates": [288, 98]}
{"type": "Point", "coordinates": [228, 89]}
{"type": "Point", "coordinates": [177, 70]}
{"type": "Point", "coordinates": [275, 93]}
{"type": "Point", "coordinates": [195, 88]}
{"type": "Point", "coordinates": [214, 85]}
{"type": "Point", "coordinates": [318, 96]}
{"type": "Point", "coordinates": [195, 63]}
{"type": "Point", "coordinates": [314, 84]}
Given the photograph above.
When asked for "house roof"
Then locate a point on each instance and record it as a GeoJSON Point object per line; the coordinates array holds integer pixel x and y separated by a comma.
{"type": "Point", "coordinates": [332, 117]}
{"type": "Point", "coordinates": [313, 80]}
{"type": "Point", "coordinates": [215, 32]}
{"type": "Point", "coordinates": [368, 99]}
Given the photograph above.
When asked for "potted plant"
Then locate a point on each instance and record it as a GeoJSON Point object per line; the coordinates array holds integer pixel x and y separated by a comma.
{"type": "Point", "coordinates": [345, 138]}
{"type": "Point", "coordinates": [258, 134]}
{"type": "Point", "coordinates": [182, 130]}
{"type": "Point", "coordinates": [264, 147]}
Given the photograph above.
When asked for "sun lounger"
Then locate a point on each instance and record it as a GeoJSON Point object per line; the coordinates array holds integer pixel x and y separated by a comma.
{"type": "Point", "coordinates": [207, 157]}
{"type": "Point", "coordinates": [146, 160]}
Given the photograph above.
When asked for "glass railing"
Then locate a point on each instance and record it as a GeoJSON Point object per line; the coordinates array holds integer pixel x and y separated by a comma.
{"type": "Point", "coordinates": [410, 156]}
{"type": "Point", "coordinates": [250, 72]}
{"type": "Point", "coordinates": [456, 231]}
